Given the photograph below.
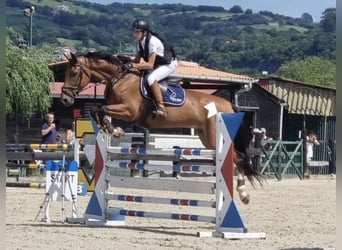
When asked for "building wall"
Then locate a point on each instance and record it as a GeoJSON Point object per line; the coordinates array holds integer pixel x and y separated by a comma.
{"type": "Point", "coordinates": [260, 106]}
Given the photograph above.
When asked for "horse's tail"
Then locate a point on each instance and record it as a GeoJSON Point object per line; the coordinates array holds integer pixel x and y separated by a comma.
{"type": "Point", "coordinates": [241, 143]}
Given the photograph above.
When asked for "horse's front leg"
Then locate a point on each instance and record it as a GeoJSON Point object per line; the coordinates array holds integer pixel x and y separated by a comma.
{"type": "Point", "coordinates": [99, 114]}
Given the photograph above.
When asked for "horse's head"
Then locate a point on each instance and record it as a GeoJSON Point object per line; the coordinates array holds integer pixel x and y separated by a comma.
{"type": "Point", "coordinates": [77, 77]}
{"type": "Point", "coordinates": [81, 70]}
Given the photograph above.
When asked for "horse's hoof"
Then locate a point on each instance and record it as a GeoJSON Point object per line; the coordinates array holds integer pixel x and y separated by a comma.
{"type": "Point", "coordinates": [118, 132]}
{"type": "Point", "coordinates": [245, 198]}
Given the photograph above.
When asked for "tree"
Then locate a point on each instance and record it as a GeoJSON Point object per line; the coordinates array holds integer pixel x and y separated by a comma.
{"type": "Point", "coordinates": [313, 70]}
{"type": "Point", "coordinates": [235, 9]}
{"type": "Point", "coordinates": [328, 20]}
{"type": "Point", "coordinates": [28, 78]}
{"type": "Point", "coordinates": [305, 21]}
{"type": "Point", "coordinates": [307, 18]}
{"type": "Point", "coordinates": [249, 12]}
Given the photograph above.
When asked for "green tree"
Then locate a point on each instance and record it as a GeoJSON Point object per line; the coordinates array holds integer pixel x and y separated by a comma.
{"type": "Point", "coordinates": [307, 17]}
{"type": "Point", "coordinates": [235, 9]}
{"type": "Point", "coordinates": [328, 20]}
{"type": "Point", "coordinates": [313, 70]}
{"type": "Point", "coordinates": [28, 77]}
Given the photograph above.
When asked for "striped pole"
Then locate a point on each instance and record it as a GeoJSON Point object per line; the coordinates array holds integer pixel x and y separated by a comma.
{"type": "Point", "coordinates": [23, 165]}
{"type": "Point", "coordinates": [159, 215]}
{"type": "Point", "coordinates": [155, 167]}
{"type": "Point", "coordinates": [162, 151]}
{"type": "Point", "coordinates": [25, 185]}
{"type": "Point", "coordinates": [55, 155]}
{"type": "Point", "coordinates": [38, 146]}
{"type": "Point", "coordinates": [159, 200]}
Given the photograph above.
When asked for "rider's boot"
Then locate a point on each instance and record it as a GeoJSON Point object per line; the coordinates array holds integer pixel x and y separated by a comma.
{"type": "Point", "coordinates": [160, 113]}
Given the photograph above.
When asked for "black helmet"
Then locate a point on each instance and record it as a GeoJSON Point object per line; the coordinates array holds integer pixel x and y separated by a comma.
{"type": "Point", "coordinates": [140, 25]}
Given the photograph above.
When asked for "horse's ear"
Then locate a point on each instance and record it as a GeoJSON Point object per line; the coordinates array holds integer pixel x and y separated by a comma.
{"type": "Point", "coordinates": [71, 57]}
{"type": "Point", "coordinates": [67, 56]}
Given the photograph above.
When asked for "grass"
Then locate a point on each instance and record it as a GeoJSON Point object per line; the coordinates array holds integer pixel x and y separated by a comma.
{"type": "Point", "coordinates": [221, 15]}
{"type": "Point", "coordinates": [276, 27]}
{"type": "Point", "coordinates": [143, 12]}
{"type": "Point", "coordinates": [73, 8]}
{"type": "Point", "coordinates": [69, 42]}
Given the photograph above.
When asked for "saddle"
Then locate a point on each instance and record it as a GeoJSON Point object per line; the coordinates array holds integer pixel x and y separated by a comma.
{"type": "Point", "coordinates": [173, 93]}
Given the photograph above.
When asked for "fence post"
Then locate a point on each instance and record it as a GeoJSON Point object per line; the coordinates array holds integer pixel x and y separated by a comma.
{"type": "Point", "coordinates": [332, 156]}
{"type": "Point", "coordinates": [306, 174]}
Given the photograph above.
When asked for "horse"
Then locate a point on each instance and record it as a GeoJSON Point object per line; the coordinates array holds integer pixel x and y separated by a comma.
{"type": "Point", "coordinates": [124, 101]}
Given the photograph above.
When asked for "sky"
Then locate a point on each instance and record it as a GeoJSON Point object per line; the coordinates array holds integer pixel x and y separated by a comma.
{"type": "Point", "coordinates": [292, 8]}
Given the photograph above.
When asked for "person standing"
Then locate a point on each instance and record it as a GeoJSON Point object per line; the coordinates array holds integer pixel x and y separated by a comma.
{"type": "Point", "coordinates": [70, 135]}
{"type": "Point", "coordinates": [264, 139]}
{"type": "Point", "coordinates": [311, 141]}
{"type": "Point", "coordinates": [156, 57]}
{"type": "Point", "coordinates": [48, 131]}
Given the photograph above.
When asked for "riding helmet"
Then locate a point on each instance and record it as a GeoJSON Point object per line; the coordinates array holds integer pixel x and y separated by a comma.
{"type": "Point", "coordinates": [140, 25]}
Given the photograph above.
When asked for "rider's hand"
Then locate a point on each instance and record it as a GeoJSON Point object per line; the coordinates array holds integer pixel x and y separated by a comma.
{"type": "Point", "coordinates": [124, 59]}
{"type": "Point", "coordinates": [127, 66]}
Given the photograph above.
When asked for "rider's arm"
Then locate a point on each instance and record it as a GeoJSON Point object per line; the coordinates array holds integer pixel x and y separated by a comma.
{"type": "Point", "coordinates": [142, 65]}
{"type": "Point", "coordinates": [136, 58]}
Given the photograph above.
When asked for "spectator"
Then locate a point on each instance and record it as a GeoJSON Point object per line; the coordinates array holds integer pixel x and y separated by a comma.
{"type": "Point", "coordinates": [311, 141]}
{"type": "Point", "coordinates": [263, 134]}
{"type": "Point", "coordinates": [49, 132]}
{"type": "Point", "coordinates": [70, 135]}
{"type": "Point", "coordinates": [264, 138]}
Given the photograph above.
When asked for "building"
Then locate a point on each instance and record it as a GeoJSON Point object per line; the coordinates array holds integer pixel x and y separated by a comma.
{"type": "Point", "coordinates": [284, 107]}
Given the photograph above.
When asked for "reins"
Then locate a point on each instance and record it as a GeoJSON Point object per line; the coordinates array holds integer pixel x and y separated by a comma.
{"type": "Point", "coordinates": [122, 72]}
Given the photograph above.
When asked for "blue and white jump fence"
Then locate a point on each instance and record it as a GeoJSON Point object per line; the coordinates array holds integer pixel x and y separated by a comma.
{"type": "Point", "coordinates": [228, 221]}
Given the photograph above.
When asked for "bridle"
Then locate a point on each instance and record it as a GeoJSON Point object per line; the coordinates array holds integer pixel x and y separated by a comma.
{"type": "Point", "coordinates": [73, 90]}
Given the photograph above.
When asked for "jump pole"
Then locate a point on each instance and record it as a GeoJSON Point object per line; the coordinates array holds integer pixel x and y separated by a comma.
{"type": "Point", "coordinates": [229, 223]}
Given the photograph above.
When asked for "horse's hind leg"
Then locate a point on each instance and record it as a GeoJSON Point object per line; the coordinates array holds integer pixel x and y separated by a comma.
{"type": "Point", "coordinates": [207, 134]}
{"type": "Point", "coordinates": [240, 187]}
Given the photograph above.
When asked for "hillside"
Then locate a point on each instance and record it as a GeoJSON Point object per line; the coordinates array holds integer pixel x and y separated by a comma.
{"type": "Point", "coordinates": [236, 40]}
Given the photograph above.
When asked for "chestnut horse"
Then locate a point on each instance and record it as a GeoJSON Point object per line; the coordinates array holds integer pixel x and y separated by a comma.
{"type": "Point", "coordinates": [125, 102]}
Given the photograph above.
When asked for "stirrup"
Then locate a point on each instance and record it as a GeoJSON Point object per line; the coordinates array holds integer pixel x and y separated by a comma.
{"type": "Point", "coordinates": [160, 113]}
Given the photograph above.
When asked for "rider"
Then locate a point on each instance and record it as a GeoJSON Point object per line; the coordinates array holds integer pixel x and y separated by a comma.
{"type": "Point", "coordinates": [156, 57]}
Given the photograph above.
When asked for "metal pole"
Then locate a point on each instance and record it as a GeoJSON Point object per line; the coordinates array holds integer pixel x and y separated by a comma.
{"type": "Point", "coordinates": [281, 120]}
{"type": "Point", "coordinates": [95, 94]}
{"type": "Point", "coordinates": [31, 15]}
{"type": "Point", "coordinates": [29, 11]}
{"type": "Point", "coordinates": [306, 173]}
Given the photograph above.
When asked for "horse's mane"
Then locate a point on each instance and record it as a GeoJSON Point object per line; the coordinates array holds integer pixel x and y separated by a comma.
{"type": "Point", "coordinates": [101, 56]}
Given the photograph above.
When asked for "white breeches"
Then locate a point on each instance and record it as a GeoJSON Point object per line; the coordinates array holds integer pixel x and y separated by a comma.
{"type": "Point", "coordinates": [161, 72]}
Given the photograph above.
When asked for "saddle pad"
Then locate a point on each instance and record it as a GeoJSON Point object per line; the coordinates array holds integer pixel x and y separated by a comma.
{"type": "Point", "coordinates": [173, 93]}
